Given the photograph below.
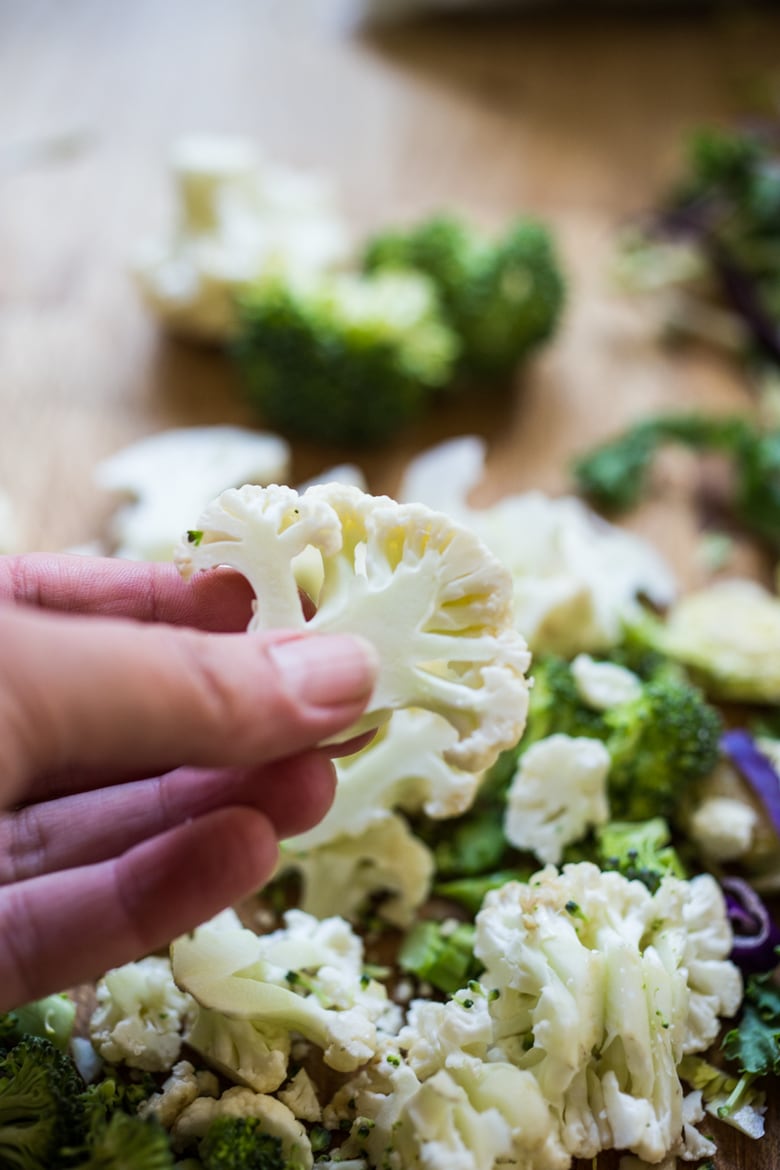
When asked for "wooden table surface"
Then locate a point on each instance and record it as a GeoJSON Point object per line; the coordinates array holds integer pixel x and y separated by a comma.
{"type": "Point", "coordinates": [575, 118]}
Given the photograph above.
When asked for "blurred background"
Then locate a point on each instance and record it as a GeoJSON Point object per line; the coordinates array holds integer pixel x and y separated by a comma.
{"type": "Point", "coordinates": [575, 115]}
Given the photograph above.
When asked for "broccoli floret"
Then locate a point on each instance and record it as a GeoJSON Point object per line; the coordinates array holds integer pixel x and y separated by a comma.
{"type": "Point", "coordinates": [640, 850]}
{"type": "Point", "coordinates": [470, 892]}
{"type": "Point", "coordinates": [350, 360]}
{"type": "Point", "coordinates": [501, 297]}
{"type": "Point", "coordinates": [556, 706]}
{"type": "Point", "coordinates": [613, 475]}
{"type": "Point", "coordinates": [128, 1143]}
{"type": "Point", "coordinates": [661, 743]}
{"type": "Point", "coordinates": [239, 1143]}
{"type": "Point", "coordinates": [41, 1109]}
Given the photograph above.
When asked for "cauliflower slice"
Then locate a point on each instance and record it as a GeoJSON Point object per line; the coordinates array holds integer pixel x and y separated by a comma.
{"type": "Point", "coordinates": [558, 792]}
{"type": "Point", "coordinates": [575, 577]}
{"type": "Point", "coordinates": [140, 1015]}
{"type": "Point", "coordinates": [171, 475]}
{"type": "Point", "coordinates": [430, 597]}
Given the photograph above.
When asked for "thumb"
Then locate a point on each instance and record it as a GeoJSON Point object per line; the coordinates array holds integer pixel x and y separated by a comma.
{"type": "Point", "coordinates": [96, 692]}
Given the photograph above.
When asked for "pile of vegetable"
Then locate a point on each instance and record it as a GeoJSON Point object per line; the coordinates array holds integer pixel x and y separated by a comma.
{"type": "Point", "coordinates": [334, 343]}
{"type": "Point", "coordinates": [519, 935]}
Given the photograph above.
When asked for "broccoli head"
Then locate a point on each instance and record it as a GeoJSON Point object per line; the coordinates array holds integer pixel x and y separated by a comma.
{"type": "Point", "coordinates": [660, 743]}
{"type": "Point", "coordinates": [349, 360]}
{"type": "Point", "coordinates": [501, 297]}
{"type": "Point", "coordinates": [556, 706]}
{"type": "Point", "coordinates": [128, 1143]}
{"type": "Point", "coordinates": [639, 850]}
{"type": "Point", "coordinates": [239, 1143]}
{"type": "Point", "coordinates": [41, 1110]}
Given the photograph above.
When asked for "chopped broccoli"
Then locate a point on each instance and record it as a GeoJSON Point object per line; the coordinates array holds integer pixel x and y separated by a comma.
{"type": "Point", "coordinates": [350, 360]}
{"type": "Point", "coordinates": [239, 1143]}
{"type": "Point", "coordinates": [640, 850]}
{"type": "Point", "coordinates": [556, 706]}
{"type": "Point", "coordinates": [614, 474]}
{"type": "Point", "coordinates": [472, 844]}
{"type": "Point", "coordinates": [41, 1109]}
{"type": "Point", "coordinates": [442, 956]}
{"type": "Point", "coordinates": [128, 1143]}
{"type": "Point", "coordinates": [660, 743]}
{"type": "Point", "coordinates": [502, 297]}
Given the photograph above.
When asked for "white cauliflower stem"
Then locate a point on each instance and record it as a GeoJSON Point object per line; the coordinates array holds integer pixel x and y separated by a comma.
{"type": "Point", "coordinates": [430, 597]}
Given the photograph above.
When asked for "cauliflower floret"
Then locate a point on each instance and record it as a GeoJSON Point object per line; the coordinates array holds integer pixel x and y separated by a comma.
{"type": "Point", "coordinates": [723, 828]}
{"type": "Point", "coordinates": [140, 1015]}
{"type": "Point", "coordinates": [181, 1088]}
{"type": "Point", "coordinates": [300, 1096]}
{"type": "Point", "coordinates": [558, 792]}
{"type": "Point", "coordinates": [301, 980]}
{"type": "Point", "coordinates": [437, 1034]}
{"type": "Point", "coordinates": [237, 218]}
{"type": "Point", "coordinates": [172, 475]}
{"type": "Point", "coordinates": [602, 685]}
{"type": "Point", "coordinates": [340, 876]}
{"type": "Point", "coordinates": [692, 932]}
{"type": "Point", "coordinates": [576, 578]}
{"type": "Point", "coordinates": [192, 1124]}
{"type": "Point", "coordinates": [601, 987]}
{"type": "Point", "coordinates": [434, 602]}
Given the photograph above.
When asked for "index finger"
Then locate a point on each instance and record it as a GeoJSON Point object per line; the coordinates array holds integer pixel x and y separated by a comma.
{"type": "Point", "coordinates": [219, 601]}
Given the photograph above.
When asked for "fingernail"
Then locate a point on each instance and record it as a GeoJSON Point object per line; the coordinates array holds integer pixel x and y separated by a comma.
{"type": "Point", "coordinates": [327, 670]}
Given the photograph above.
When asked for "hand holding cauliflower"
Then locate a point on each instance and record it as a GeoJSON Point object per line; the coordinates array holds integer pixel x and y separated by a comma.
{"type": "Point", "coordinates": [425, 592]}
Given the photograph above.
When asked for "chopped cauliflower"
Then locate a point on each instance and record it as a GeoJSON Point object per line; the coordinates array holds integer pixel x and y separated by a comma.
{"type": "Point", "coordinates": [238, 218]}
{"type": "Point", "coordinates": [171, 475]}
{"type": "Point", "coordinates": [576, 578]}
{"type": "Point", "coordinates": [558, 792]}
{"type": "Point", "coordinates": [306, 977]}
{"type": "Point", "coordinates": [179, 1090]}
{"type": "Point", "coordinates": [602, 685]}
{"type": "Point", "coordinates": [723, 828]}
{"type": "Point", "coordinates": [601, 989]}
{"type": "Point", "coordinates": [300, 1096]}
{"type": "Point", "coordinates": [140, 1015]}
{"type": "Point", "coordinates": [430, 597]}
{"type": "Point", "coordinates": [243, 1051]}
{"type": "Point", "coordinates": [728, 635]}
{"type": "Point", "coordinates": [340, 876]}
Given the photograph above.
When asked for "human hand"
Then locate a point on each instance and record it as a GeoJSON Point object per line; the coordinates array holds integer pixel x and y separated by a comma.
{"type": "Point", "coordinates": [150, 755]}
